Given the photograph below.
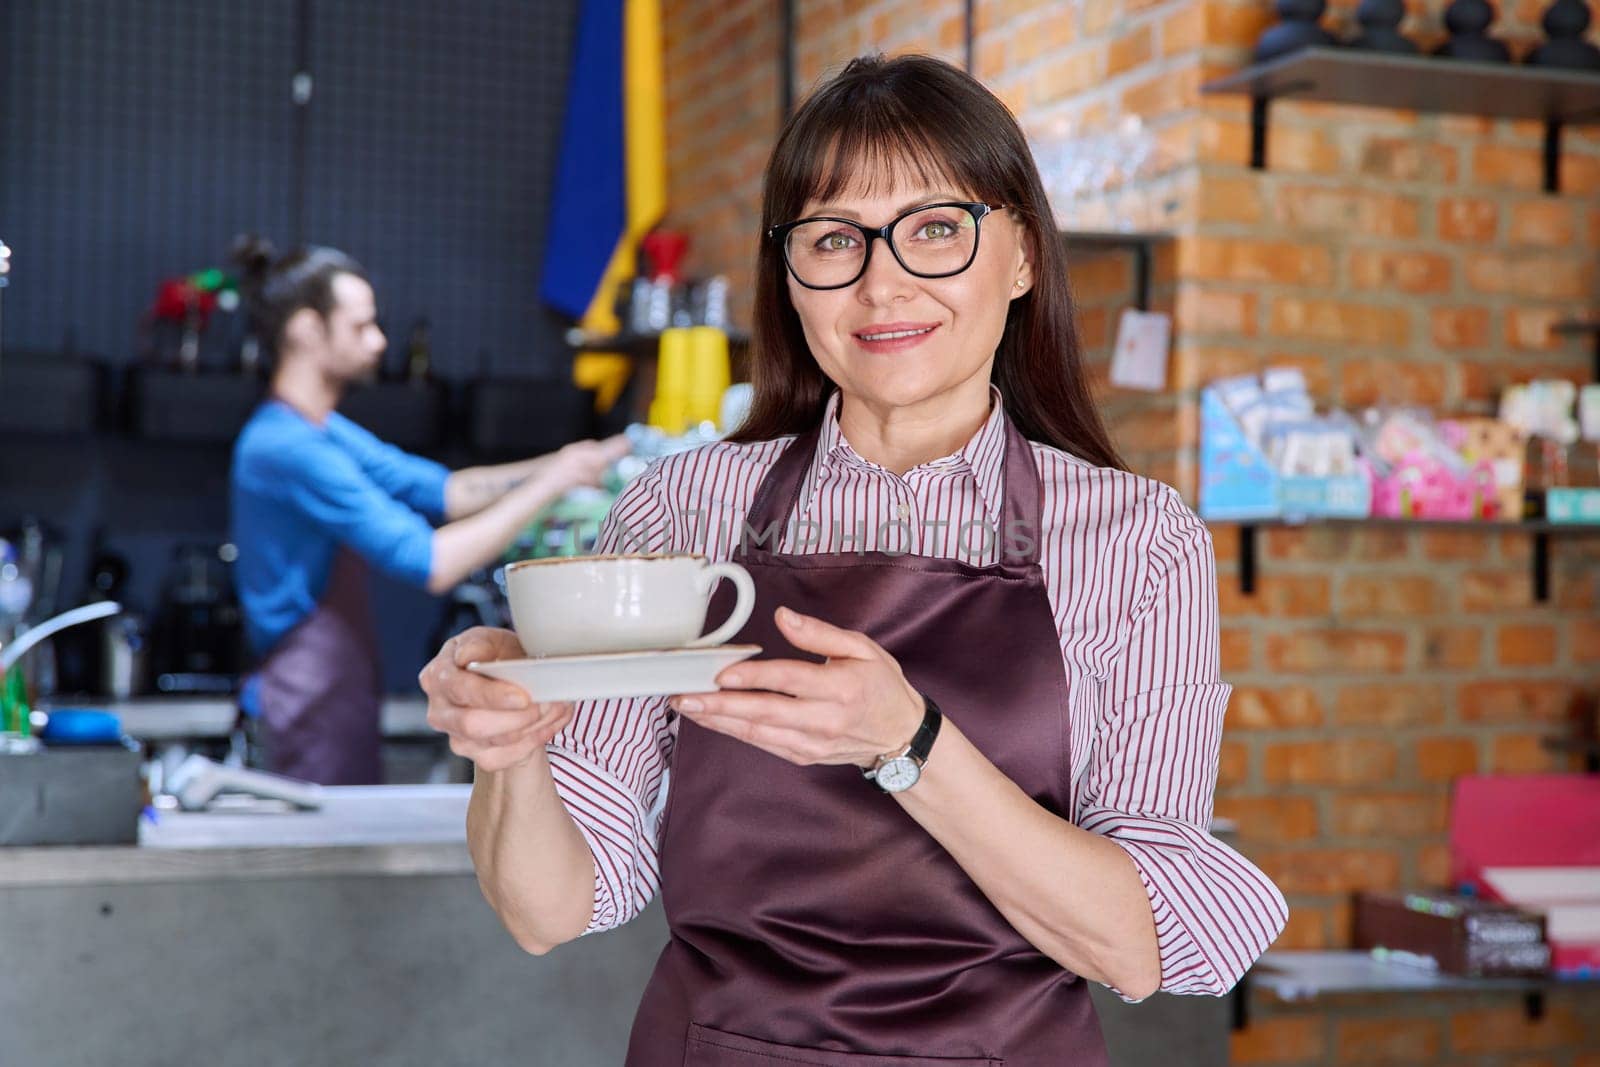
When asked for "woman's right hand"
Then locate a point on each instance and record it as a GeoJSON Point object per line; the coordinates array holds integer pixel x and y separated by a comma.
{"type": "Point", "coordinates": [490, 722]}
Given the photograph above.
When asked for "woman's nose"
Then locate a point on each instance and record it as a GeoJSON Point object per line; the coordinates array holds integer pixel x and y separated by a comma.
{"type": "Point", "coordinates": [885, 280]}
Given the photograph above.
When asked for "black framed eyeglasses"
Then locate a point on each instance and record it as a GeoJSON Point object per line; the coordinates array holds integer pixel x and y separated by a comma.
{"type": "Point", "coordinates": [931, 241]}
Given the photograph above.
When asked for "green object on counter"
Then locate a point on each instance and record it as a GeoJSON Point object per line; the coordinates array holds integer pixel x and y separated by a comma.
{"type": "Point", "coordinates": [567, 527]}
{"type": "Point", "coordinates": [14, 710]}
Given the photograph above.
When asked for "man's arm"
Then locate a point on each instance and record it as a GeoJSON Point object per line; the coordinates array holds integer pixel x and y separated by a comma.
{"type": "Point", "coordinates": [471, 489]}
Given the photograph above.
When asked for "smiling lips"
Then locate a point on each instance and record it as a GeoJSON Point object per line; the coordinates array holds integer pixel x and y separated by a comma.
{"type": "Point", "coordinates": [894, 336]}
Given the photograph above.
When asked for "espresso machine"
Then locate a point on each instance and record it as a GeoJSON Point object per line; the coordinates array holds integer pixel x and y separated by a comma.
{"type": "Point", "coordinates": [197, 641]}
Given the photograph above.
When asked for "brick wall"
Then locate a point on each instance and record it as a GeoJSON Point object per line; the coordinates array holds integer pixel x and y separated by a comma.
{"type": "Point", "coordinates": [1393, 257]}
{"type": "Point", "coordinates": [722, 79]}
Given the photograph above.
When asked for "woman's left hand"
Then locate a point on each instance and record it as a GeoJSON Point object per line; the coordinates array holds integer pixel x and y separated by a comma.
{"type": "Point", "coordinates": [853, 708]}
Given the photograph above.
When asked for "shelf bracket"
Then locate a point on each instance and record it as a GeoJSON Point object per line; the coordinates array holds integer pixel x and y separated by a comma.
{"type": "Point", "coordinates": [1247, 559]}
{"type": "Point", "coordinates": [1541, 566]}
{"type": "Point", "coordinates": [1141, 276]}
{"type": "Point", "coordinates": [1259, 106]}
{"type": "Point", "coordinates": [1533, 1005]}
{"type": "Point", "coordinates": [1552, 156]}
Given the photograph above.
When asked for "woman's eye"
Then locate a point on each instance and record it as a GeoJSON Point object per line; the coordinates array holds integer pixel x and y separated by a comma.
{"type": "Point", "coordinates": [936, 230]}
{"type": "Point", "coordinates": [835, 242]}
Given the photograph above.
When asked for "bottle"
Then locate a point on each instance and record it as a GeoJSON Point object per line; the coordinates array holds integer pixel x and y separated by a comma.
{"type": "Point", "coordinates": [15, 713]}
{"type": "Point", "coordinates": [16, 596]}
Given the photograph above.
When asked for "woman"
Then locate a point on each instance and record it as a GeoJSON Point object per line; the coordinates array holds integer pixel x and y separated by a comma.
{"type": "Point", "coordinates": [969, 600]}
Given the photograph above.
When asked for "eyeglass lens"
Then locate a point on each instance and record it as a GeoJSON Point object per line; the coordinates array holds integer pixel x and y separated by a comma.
{"type": "Point", "coordinates": [930, 242]}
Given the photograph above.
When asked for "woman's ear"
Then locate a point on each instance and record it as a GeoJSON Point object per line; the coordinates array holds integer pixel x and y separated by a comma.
{"type": "Point", "coordinates": [1026, 258]}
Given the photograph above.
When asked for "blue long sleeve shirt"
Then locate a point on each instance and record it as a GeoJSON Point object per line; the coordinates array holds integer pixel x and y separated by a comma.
{"type": "Point", "coordinates": [301, 491]}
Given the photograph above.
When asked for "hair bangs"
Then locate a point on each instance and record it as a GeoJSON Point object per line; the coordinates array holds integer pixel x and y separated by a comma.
{"type": "Point", "coordinates": [867, 139]}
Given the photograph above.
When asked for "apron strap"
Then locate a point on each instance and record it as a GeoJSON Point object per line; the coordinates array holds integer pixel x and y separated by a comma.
{"type": "Point", "coordinates": [1024, 500]}
{"type": "Point", "coordinates": [779, 492]}
{"type": "Point", "coordinates": [780, 489]}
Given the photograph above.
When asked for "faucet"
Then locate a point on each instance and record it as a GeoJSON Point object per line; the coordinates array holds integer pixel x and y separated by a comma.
{"type": "Point", "coordinates": [10, 654]}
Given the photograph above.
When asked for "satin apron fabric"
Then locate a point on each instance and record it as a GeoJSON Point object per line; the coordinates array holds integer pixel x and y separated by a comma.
{"type": "Point", "coordinates": [321, 695]}
{"type": "Point", "coordinates": [812, 920]}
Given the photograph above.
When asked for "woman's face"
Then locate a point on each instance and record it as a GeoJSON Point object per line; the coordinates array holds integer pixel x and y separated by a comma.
{"type": "Point", "coordinates": [963, 315]}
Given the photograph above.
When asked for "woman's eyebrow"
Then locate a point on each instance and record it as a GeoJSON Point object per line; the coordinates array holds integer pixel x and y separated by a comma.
{"type": "Point", "coordinates": [935, 198]}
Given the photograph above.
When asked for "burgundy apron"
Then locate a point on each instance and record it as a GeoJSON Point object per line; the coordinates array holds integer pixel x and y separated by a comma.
{"type": "Point", "coordinates": [321, 695]}
{"type": "Point", "coordinates": [812, 920]}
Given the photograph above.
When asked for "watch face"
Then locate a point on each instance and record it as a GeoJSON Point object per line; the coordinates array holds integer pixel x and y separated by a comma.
{"type": "Point", "coordinates": [899, 773]}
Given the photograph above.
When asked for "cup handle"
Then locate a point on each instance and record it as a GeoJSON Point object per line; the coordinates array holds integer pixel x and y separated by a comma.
{"type": "Point", "coordinates": [744, 588]}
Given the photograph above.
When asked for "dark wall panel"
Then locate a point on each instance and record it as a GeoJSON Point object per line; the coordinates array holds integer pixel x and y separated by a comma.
{"type": "Point", "coordinates": [135, 140]}
{"type": "Point", "coordinates": [137, 136]}
{"type": "Point", "coordinates": [434, 134]}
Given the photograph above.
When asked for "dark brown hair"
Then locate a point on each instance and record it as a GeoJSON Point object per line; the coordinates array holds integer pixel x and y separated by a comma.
{"type": "Point", "coordinates": [920, 116]}
{"type": "Point", "coordinates": [274, 288]}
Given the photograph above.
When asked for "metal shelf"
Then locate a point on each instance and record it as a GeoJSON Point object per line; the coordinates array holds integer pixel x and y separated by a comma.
{"type": "Point", "coordinates": [1539, 528]}
{"type": "Point", "coordinates": [633, 344]}
{"type": "Point", "coordinates": [1302, 976]}
{"type": "Point", "coordinates": [1142, 245]}
{"type": "Point", "coordinates": [1420, 83]}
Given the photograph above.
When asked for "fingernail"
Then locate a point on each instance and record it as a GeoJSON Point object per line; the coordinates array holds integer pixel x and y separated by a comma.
{"type": "Point", "coordinates": [515, 702]}
{"type": "Point", "coordinates": [732, 680]}
{"type": "Point", "coordinates": [688, 704]}
{"type": "Point", "coordinates": [791, 617]}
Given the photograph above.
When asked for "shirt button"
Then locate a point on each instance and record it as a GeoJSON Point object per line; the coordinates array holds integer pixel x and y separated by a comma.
{"type": "Point", "coordinates": [904, 511]}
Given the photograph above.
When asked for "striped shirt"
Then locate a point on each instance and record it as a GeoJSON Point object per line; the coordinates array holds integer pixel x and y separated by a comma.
{"type": "Point", "coordinates": [1132, 585]}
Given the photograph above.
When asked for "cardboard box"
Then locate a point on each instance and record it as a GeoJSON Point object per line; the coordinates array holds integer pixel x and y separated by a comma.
{"type": "Point", "coordinates": [1461, 935]}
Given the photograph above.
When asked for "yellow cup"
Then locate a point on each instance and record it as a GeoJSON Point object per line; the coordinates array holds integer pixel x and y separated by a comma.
{"type": "Point", "coordinates": [674, 363]}
{"type": "Point", "coordinates": [669, 414]}
{"type": "Point", "coordinates": [709, 373]}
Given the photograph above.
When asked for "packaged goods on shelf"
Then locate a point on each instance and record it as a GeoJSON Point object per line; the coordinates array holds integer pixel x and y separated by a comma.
{"type": "Point", "coordinates": [1561, 458]}
{"type": "Point", "coordinates": [1265, 453]}
{"type": "Point", "coordinates": [1418, 472]}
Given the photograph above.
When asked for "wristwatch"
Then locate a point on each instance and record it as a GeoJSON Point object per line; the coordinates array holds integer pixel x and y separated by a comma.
{"type": "Point", "coordinates": [897, 772]}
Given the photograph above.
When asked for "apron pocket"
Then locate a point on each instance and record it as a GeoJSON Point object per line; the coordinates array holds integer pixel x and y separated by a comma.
{"type": "Point", "coordinates": [715, 1048]}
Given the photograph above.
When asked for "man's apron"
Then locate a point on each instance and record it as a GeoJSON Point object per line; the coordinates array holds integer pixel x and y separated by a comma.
{"type": "Point", "coordinates": [321, 696]}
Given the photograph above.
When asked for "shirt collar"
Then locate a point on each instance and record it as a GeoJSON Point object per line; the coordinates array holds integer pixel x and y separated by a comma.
{"type": "Point", "coordinates": [982, 458]}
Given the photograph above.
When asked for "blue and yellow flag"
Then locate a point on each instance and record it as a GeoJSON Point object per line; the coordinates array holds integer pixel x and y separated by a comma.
{"type": "Point", "coordinates": [611, 178]}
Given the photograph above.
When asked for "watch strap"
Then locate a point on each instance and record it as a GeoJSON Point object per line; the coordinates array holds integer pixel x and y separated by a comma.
{"type": "Point", "coordinates": [921, 742]}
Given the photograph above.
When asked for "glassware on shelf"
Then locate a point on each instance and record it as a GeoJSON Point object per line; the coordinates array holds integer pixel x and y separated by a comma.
{"type": "Point", "coordinates": [1098, 179]}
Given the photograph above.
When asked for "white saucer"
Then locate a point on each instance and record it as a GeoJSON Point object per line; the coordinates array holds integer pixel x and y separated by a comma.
{"type": "Point", "coordinates": [598, 676]}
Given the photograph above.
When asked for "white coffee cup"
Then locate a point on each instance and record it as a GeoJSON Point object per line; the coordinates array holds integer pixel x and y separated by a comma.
{"type": "Point", "coordinates": [579, 605]}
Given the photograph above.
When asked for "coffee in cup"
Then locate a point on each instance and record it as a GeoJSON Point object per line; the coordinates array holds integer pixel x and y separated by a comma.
{"type": "Point", "coordinates": [579, 605]}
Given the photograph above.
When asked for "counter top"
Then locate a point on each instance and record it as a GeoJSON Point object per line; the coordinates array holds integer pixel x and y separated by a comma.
{"type": "Point", "coordinates": [173, 718]}
{"type": "Point", "coordinates": [384, 830]}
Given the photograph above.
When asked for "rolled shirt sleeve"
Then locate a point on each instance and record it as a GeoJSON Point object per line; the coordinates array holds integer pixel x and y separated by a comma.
{"type": "Point", "coordinates": [415, 481]}
{"type": "Point", "coordinates": [1151, 781]}
{"type": "Point", "coordinates": [610, 764]}
{"type": "Point", "coordinates": [327, 485]}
